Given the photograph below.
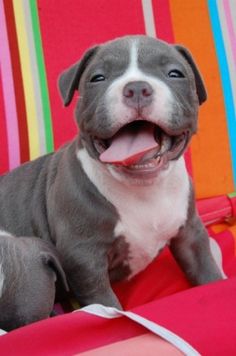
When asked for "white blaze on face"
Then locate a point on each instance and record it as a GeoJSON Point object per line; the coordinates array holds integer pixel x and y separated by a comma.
{"type": "Point", "coordinates": [158, 111]}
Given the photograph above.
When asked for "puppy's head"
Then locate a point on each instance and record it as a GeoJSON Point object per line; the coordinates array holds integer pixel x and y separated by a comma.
{"type": "Point", "coordinates": [138, 104]}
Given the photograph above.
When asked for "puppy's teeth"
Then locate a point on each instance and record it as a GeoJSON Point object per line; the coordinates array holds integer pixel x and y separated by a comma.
{"type": "Point", "coordinates": [148, 156]}
{"type": "Point", "coordinates": [166, 143]}
{"type": "Point", "coordinates": [142, 166]}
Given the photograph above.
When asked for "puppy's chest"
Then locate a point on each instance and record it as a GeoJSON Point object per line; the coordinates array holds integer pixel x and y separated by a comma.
{"type": "Point", "coordinates": [149, 216]}
{"type": "Point", "coordinates": [148, 223]}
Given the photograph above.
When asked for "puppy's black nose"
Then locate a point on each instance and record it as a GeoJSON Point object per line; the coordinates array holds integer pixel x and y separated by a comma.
{"type": "Point", "coordinates": [137, 94]}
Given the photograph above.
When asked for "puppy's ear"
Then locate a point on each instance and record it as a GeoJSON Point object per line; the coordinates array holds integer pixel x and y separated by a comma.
{"type": "Point", "coordinates": [69, 80]}
{"type": "Point", "coordinates": [52, 261]}
{"type": "Point", "coordinates": [201, 90]}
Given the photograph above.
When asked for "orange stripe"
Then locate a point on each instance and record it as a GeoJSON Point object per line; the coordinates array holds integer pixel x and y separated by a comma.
{"type": "Point", "coordinates": [210, 150]}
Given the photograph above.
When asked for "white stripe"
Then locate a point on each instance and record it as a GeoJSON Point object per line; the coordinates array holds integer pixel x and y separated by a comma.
{"type": "Point", "coordinates": [2, 332]}
{"type": "Point", "coordinates": [149, 21]}
{"type": "Point", "coordinates": [232, 4]}
{"type": "Point", "coordinates": [228, 48]}
{"type": "Point", "coordinates": [110, 313]}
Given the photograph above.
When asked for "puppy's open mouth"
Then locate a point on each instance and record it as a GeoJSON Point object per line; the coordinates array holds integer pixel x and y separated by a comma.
{"type": "Point", "coordinates": [141, 146]}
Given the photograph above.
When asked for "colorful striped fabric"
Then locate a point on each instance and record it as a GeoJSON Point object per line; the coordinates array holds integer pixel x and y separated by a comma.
{"type": "Point", "coordinates": [39, 39]}
{"type": "Point", "coordinates": [27, 110]}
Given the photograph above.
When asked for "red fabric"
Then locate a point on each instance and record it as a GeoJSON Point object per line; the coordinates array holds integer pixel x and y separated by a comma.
{"type": "Point", "coordinates": [75, 37]}
{"type": "Point", "coordinates": [216, 209]}
{"type": "Point", "coordinates": [226, 241]}
{"type": "Point", "coordinates": [162, 15]}
{"type": "Point", "coordinates": [163, 276]}
{"type": "Point", "coordinates": [203, 316]}
{"type": "Point", "coordinates": [67, 334]}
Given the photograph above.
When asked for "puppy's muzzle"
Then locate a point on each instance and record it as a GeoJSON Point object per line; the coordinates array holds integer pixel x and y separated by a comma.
{"type": "Point", "coordinates": [137, 94]}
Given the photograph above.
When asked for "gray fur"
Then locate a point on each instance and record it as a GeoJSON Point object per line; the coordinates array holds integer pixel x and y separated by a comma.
{"type": "Point", "coordinates": [53, 199]}
{"type": "Point", "coordinates": [30, 267]}
{"type": "Point", "coordinates": [191, 249]}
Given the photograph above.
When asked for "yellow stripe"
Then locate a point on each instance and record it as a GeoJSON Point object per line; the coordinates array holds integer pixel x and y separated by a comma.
{"type": "Point", "coordinates": [27, 76]}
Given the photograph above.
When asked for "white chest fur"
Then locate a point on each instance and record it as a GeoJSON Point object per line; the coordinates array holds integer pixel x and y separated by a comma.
{"type": "Point", "coordinates": [149, 215]}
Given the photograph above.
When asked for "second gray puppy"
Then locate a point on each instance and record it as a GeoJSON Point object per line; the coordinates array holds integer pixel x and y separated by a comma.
{"type": "Point", "coordinates": [29, 268]}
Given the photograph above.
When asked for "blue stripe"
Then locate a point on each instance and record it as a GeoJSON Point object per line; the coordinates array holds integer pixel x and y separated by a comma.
{"type": "Point", "coordinates": [225, 79]}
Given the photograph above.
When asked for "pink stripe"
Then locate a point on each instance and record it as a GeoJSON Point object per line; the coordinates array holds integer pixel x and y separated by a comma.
{"type": "Point", "coordinates": [231, 32]}
{"type": "Point", "coordinates": [8, 94]}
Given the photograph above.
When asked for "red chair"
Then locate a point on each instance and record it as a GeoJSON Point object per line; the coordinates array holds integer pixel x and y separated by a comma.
{"type": "Point", "coordinates": [41, 38]}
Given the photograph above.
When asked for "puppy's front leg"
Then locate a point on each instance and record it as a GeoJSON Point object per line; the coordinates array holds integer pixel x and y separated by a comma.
{"type": "Point", "coordinates": [86, 269]}
{"type": "Point", "coordinates": [191, 249]}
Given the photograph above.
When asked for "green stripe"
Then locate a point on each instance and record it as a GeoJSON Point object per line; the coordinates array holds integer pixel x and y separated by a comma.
{"type": "Point", "coordinates": [232, 195]}
{"type": "Point", "coordinates": [42, 76]}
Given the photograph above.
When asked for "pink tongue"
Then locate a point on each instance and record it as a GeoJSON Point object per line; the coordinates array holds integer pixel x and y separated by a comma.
{"type": "Point", "coordinates": [130, 144]}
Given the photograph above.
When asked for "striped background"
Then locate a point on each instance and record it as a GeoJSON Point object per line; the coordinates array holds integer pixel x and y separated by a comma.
{"type": "Point", "coordinates": [40, 38]}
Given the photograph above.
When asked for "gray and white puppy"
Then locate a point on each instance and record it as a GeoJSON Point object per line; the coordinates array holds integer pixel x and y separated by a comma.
{"type": "Point", "coordinates": [29, 268]}
{"type": "Point", "coordinates": [119, 192]}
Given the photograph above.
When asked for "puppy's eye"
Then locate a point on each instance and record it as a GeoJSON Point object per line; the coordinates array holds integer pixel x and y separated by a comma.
{"type": "Point", "coordinates": [175, 73]}
{"type": "Point", "coordinates": [97, 78]}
